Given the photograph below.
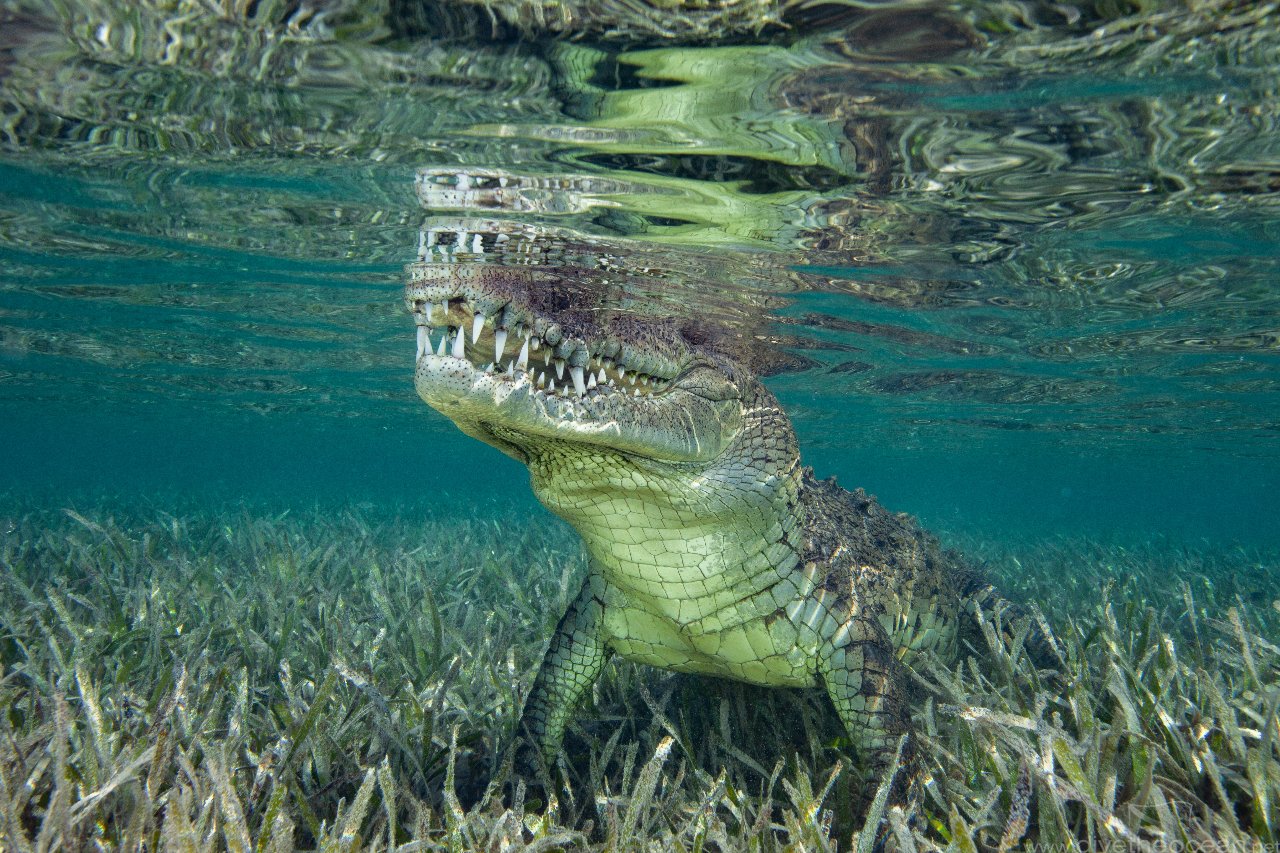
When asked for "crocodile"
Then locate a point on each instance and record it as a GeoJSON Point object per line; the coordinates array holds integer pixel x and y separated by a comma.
{"type": "Point", "coordinates": [712, 549]}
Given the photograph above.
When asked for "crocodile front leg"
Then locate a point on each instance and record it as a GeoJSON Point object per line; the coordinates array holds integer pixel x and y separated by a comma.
{"type": "Point", "coordinates": [867, 685]}
{"type": "Point", "coordinates": [572, 664]}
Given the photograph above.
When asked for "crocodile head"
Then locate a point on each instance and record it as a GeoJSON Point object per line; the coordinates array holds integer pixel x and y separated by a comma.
{"type": "Point", "coordinates": [596, 399]}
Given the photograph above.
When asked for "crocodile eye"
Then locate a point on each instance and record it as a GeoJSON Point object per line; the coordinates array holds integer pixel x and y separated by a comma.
{"type": "Point", "coordinates": [694, 334]}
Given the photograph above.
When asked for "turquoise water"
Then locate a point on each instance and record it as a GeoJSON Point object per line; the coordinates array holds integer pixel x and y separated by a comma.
{"type": "Point", "coordinates": [1022, 261]}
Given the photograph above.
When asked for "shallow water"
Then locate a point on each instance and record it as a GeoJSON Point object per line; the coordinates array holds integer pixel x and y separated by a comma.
{"type": "Point", "coordinates": [1012, 266]}
{"type": "Point", "coordinates": [1015, 264]}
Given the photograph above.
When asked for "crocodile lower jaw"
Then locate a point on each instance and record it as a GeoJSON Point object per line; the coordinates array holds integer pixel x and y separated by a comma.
{"type": "Point", "coordinates": [494, 372]}
{"type": "Point", "coordinates": [526, 369]}
{"type": "Point", "coordinates": [505, 374]}
{"type": "Point", "coordinates": [456, 339]}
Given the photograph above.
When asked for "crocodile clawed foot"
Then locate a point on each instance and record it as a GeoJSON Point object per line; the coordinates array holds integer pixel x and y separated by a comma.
{"type": "Point", "coordinates": [520, 795]}
{"type": "Point", "coordinates": [894, 782]}
{"type": "Point", "coordinates": [527, 782]}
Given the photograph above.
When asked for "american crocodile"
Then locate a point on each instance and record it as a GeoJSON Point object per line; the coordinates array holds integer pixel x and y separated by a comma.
{"type": "Point", "coordinates": [712, 550]}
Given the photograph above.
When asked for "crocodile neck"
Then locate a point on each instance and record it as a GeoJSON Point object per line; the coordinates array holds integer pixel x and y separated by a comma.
{"type": "Point", "coordinates": [682, 542]}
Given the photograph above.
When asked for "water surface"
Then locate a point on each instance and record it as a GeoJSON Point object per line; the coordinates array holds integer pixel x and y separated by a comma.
{"type": "Point", "coordinates": [1014, 266]}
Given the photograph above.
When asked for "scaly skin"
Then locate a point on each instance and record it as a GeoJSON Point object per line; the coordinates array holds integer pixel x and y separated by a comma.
{"type": "Point", "coordinates": [712, 551]}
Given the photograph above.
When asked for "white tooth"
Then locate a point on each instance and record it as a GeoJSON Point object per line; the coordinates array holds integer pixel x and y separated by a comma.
{"type": "Point", "coordinates": [644, 380]}
{"type": "Point", "coordinates": [511, 370]}
{"type": "Point", "coordinates": [443, 339]}
{"type": "Point", "coordinates": [609, 381]}
{"type": "Point", "coordinates": [501, 238]}
{"type": "Point", "coordinates": [424, 341]}
{"type": "Point", "coordinates": [476, 247]}
{"type": "Point", "coordinates": [551, 387]}
{"type": "Point", "coordinates": [499, 343]}
{"type": "Point", "coordinates": [431, 310]}
{"type": "Point", "coordinates": [559, 362]}
{"type": "Point", "coordinates": [601, 377]}
{"type": "Point", "coordinates": [542, 379]}
{"type": "Point", "coordinates": [477, 324]}
{"type": "Point", "coordinates": [535, 343]}
{"type": "Point", "coordinates": [578, 384]}
{"type": "Point", "coordinates": [459, 350]}
{"type": "Point", "coordinates": [489, 368]}
{"type": "Point", "coordinates": [635, 392]}
{"type": "Point", "coordinates": [591, 381]}
{"type": "Point", "coordinates": [523, 360]}
{"type": "Point", "coordinates": [502, 182]}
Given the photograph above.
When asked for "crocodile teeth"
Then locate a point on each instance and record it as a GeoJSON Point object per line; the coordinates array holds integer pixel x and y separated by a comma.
{"type": "Point", "coordinates": [424, 341]}
{"type": "Point", "coordinates": [551, 387]}
{"type": "Point", "coordinates": [542, 379]}
{"type": "Point", "coordinates": [601, 377]}
{"type": "Point", "coordinates": [459, 347]}
{"type": "Point", "coordinates": [499, 343]}
{"type": "Point", "coordinates": [578, 384]}
{"type": "Point", "coordinates": [477, 324]}
{"type": "Point", "coordinates": [559, 364]}
{"type": "Point", "coordinates": [443, 339]}
{"type": "Point", "coordinates": [430, 310]}
{"type": "Point", "coordinates": [591, 382]}
{"type": "Point", "coordinates": [511, 370]}
{"type": "Point", "coordinates": [522, 361]}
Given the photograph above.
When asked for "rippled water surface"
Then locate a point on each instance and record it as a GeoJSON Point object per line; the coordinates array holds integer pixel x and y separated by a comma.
{"type": "Point", "coordinates": [1013, 266]}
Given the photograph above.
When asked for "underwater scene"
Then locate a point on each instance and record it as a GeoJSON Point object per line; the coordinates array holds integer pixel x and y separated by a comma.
{"type": "Point", "coordinates": [616, 425]}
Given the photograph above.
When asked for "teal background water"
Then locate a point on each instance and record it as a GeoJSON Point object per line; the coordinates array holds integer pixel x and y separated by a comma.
{"type": "Point", "coordinates": [1041, 300]}
{"type": "Point", "coordinates": [1014, 488]}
